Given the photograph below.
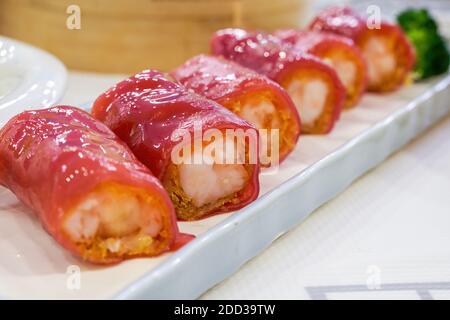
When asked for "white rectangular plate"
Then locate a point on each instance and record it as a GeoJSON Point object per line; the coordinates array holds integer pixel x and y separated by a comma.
{"type": "Point", "coordinates": [32, 265]}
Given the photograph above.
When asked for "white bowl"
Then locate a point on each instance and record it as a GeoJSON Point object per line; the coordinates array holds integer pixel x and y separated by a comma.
{"type": "Point", "coordinates": [30, 78]}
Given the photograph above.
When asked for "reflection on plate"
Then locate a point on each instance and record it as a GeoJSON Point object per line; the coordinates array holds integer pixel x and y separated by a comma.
{"type": "Point", "coordinates": [29, 78]}
{"type": "Point", "coordinates": [9, 79]}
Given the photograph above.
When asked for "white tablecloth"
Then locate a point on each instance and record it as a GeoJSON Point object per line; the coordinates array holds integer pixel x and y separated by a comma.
{"type": "Point", "coordinates": [387, 236]}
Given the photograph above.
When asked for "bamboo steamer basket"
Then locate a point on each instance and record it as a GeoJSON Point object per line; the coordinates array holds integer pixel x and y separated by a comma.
{"type": "Point", "coordinates": [125, 36]}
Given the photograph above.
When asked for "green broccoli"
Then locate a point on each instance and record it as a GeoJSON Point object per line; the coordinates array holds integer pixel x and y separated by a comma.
{"type": "Point", "coordinates": [433, 57]}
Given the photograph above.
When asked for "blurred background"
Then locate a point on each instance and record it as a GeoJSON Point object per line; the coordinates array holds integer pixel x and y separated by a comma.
{"type": "Point", "coordinates": [120, 36]}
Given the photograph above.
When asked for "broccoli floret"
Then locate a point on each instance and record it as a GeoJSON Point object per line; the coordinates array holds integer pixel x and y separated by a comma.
{"type": "Point", "coordinates": [433, 57]}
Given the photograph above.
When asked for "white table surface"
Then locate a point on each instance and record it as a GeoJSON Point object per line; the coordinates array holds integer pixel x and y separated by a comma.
{"type": "Point", "coordinates": [387, 236]}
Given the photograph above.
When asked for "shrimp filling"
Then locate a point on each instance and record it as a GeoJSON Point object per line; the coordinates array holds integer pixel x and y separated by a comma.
{"type": "Point", "coordinates": [115, 220]}
{"type": "Point", "coordinates": [381, 61]}
{"type": "Point", "coordinates": [263, 115]}
{"type": "Point", "coordinates": [310, 97]}
{"type": "Point", "coordinates": [214, 179]}
{"type": "Point", "coordinates": [346, 70]}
